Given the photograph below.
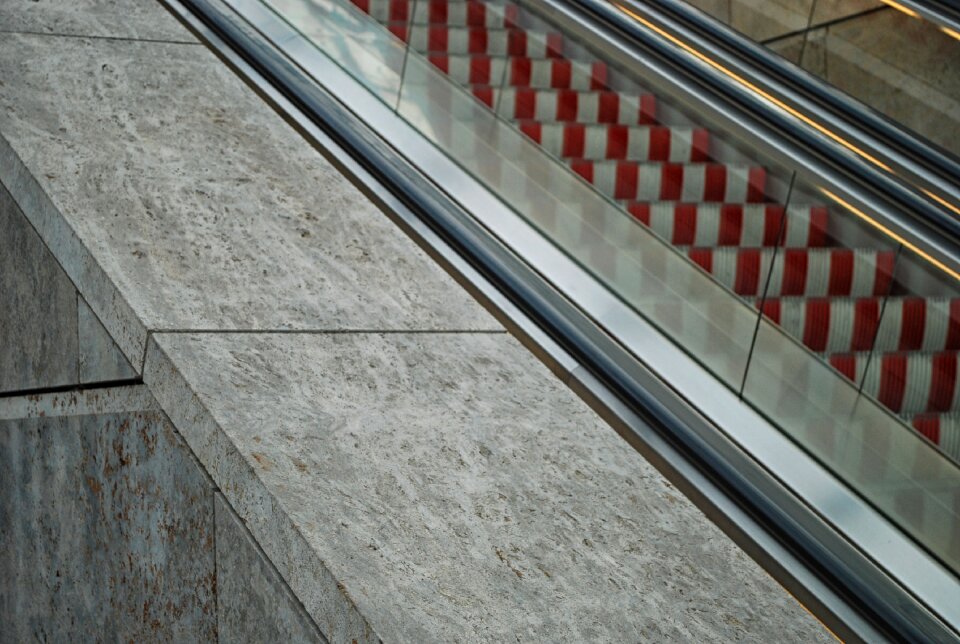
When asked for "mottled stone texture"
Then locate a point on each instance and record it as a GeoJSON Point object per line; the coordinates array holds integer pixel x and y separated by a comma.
{"type": "Point", "coordinates": [100, 358]}
{"type": "Point", "coordinates": [445, 488]}
{"type": "Point", "coordinates": [38, 308]}
{"type": "Point", "coordinates": [106, 527]}
{"type": "Point", "coordinates": [106, 18]}
{"type": "Point", "coordinates": [254, 604]}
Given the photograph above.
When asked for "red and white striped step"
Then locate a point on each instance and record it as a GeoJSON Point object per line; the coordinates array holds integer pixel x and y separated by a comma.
{"type": "Point", "coordinates": [907, 383]}
{"type": "Point", "coordinates": [806, 272]}
{"type": "Point", "coordinates": [942, 430]}
{"type": "Point", "coordinates": [567, 105]}
{"type": "Point", "coordinates": [517, 71]}
{"type": "Point", "coordinates": [691, 182]}
{"type": "Point", "coordinates": [459, 13]}
{"type": "Point", "coordinates": [609, 141]}
{"type": "Point", "coordinates": [727, 224]}
{"type": "Point", "coordinates": [479, 40]}
{"type": "Point", "coordinates": [842, 325]}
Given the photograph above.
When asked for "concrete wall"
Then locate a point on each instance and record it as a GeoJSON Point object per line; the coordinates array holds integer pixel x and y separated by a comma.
{"type": "Point", "coordinates": [111, 530]}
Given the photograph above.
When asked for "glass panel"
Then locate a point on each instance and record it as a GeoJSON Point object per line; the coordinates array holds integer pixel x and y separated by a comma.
{"type": "Point", "coordinates": [693, 229]}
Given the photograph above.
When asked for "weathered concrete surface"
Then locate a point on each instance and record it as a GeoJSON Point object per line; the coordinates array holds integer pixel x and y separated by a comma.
{"type": "Point", "coordinates": [254, 604]}
{"type": "Point", "coordinates": [38, 309]}
{"type": "Point", "coordinates": [172, 206]}
{"type": "Point", "coordinates": [427, 487]}
{"type": "Point", "coordinates": [137, 19]}
{"type": "Point", "coordinates": [106, 523]}
{"type": "Point", "coordinates": [100, 358]}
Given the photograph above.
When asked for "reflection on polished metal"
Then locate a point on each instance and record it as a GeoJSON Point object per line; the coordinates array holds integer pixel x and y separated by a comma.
{"type": "Point", "coordinates": [593, 253]}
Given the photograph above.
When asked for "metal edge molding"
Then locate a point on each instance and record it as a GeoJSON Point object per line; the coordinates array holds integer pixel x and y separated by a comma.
{"type": "Point", "coordinates": [848, 591]}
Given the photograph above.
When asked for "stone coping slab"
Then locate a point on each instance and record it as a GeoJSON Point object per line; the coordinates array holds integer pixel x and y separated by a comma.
{"type": "Point", "coordinates": [176, 199]}
{"type": "Point", "coordinates": [444, 487]}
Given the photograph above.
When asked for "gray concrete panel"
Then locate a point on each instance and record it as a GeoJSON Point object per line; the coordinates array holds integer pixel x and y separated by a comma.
{"type": "Point", "coordinates": [38, 309]}
{"type": "Point", "coordinates": [254, 604]}
{"type": "Point", "coordinates": [100, 358]}
{"type": "Point", "coordinates": [137, 19]}
{"type": "Point", "coordinates": [106, 523]}
{"type": "Point", "coordinates": [173, 205]}
{"type": "Point", "coordinates": [447, 488]}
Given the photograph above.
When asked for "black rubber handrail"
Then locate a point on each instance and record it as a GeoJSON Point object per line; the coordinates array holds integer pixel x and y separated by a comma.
{"type": "Point", "coordinates": [910, 208]}
{"type": "Point", "coordinates": [858, 114]}
{"type": "Point", "coordinates": [875, 596]}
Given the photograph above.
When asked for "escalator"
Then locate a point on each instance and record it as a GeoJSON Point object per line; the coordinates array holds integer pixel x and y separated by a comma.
{"type": "Point", "coordinates": [666, 218]}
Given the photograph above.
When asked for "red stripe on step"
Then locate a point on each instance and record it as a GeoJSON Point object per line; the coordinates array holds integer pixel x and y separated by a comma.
{"type": "Point", "coordinates": [627, 175]}
{"type": "Point", "coordinates": [772, 222]}
{"type": "Point", "coordinates": [817, 236]}
{"type": "Point", "coordinates": [641, 211]}
{"type": "Point", "coordinates": [476, 14]}
{"type": "Point", "coordinates": [617, 138]}
{"type": "Point", "coordinates": [700, 146]}
{"type": "Point", "coordinates": [554, 45]}
{"type": "Point", "coordinates": [584, 169]}
{"type": "Point", "coordinates": [841, 272]}
{"type": "Point", "coordinates": [525, 104]}
{"type": "Point", "coordinates": [866, 315]}
{"type": "Point", "coordinates": [478, 41]}
{"type": "Point", "coordinates": [485, 94]}
{"type": "Point", "coordinates": [517, 43]}
{"type": "Point", "coordinates": [437, 38]}
{"type": "Point", "coordinates": [520, 70]}
{"type": "Point", "coordinates": [748, 272]}
{"type": "Point", "coordinates": [929, 426]}
{"type": "Point", "coordinates": [731, 225]}
{"type": "Point", "coordinates": [912, 325]}
{"type": "Point", "coordinates": [438, 11]}
{"type": "Point", "coordinates": [884, 272]}
{"type": "Point", "coordinates": [671, 181]}
{"type": "Point", "coordinates": [816, 324]}
{"type": "Point", "coordinates": [715, 182]}
{"type": "Point", "coordinates": [533, 130]}
{"type": "Point", "coordinates": [598, 76]}
{"type": "Point", "coordinates": [684, 224]}
{"type": "Point", "coordinates": [400, 31]}
{"type": "Point", "coordinates": [398, 10]}
{"type": "Point", "coordinates": [364, 5]}
{"type": "Point", "coordinates": [756, 185]}
{"type": "Point", "coordinates": [608, 107]}
{"type": "Point", "coordinates": [567, 105]}
{"type": "Point", "coordinates": [771, 309]}
{"type": "Point", "coordinates": [943, 381]}
{"type": "Point", "coordinates": [561, 72]}
{"type": "Point", "coordinates": [480, 70]}
{"type": "Point", "coordinates": [702, 257]}
{"type": "Point", "coordinates": [442, 63]}
{"type": "Point", "coordinates": [659, 144]}
{"type": "Point", "coordinates": [846, 364]}
{"type": "Point", "coordinates": [510, 16]}
{"type": "Point", "coordinates": [573, 140]}
{"type": "Point", "coordinates": [794, 271]}
{"type": "Point", "coordinates": [893, 380]}
{"type": "Point", "coordinates": [648, 110]}
{"type": "Point", "coordinates": [953, 328]}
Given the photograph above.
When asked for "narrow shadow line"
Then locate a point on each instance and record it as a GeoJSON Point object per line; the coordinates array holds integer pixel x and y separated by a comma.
{"type": "Point", "coordinates": [824, 25]}
{"type": "Point", "coordinates": [161, 41]}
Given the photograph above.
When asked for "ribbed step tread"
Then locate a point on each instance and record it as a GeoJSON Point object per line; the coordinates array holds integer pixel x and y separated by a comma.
{"type": "Point", "coordinates": [514, 42]}
{"type": "Point", "coordinates": [569, 106]}
{"type": "Point", "coordinates": [850, 325]}
{"type": "Point", "coordinates": [696, 182]}
{"type": "Point", "coordinates": [454, 13]}
{"type": "Point", "coordinates": [604, 141]}
{"type": "Point", "coordinates": [520, 71]}
{"type": "Point", "coordinates": [807, 272]}
{"type": "Point", "coordinates": [751, 225]}
{"type": "Point", "coordinates": [942, 430]}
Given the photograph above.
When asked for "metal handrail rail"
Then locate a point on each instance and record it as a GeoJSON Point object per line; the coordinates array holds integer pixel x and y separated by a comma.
{"type": "Point", "coordinates": [807, 95]}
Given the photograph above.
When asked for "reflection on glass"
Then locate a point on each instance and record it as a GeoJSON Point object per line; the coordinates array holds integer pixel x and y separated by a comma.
{"type": "Point", "coordinates": [823, 323]}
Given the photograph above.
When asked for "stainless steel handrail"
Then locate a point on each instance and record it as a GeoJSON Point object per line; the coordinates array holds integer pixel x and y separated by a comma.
{"type": "Point", "coordinates": [912, 174]}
